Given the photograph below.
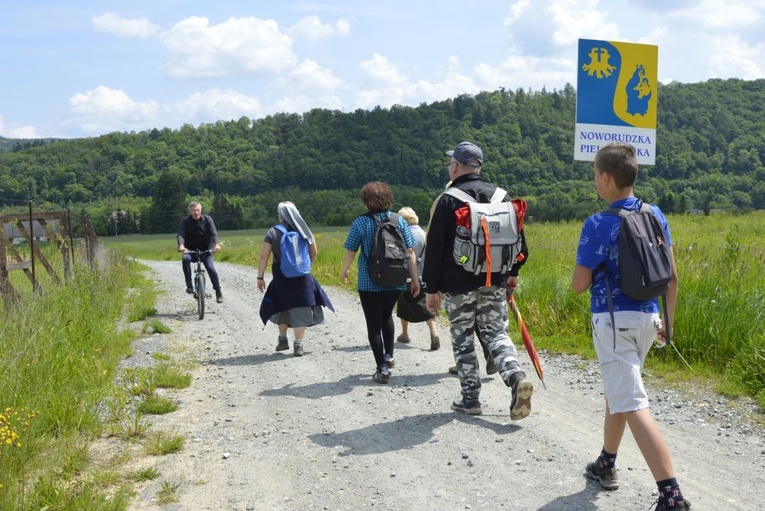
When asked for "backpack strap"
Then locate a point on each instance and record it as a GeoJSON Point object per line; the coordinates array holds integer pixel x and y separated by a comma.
{"type": "Point", "coordinates": [392, 218]}
{"type": "Point", "coordinates": [499, 195]}
{"type": "Point", "coordinates": [459, 194]}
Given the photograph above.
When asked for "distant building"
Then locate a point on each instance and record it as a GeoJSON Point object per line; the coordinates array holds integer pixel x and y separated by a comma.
{"type": "Point", "coordinates": [13, 233]}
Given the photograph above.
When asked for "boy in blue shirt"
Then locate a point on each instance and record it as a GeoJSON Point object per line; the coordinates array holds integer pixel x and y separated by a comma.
{"type": "Point", "coordinates": [637, 326]}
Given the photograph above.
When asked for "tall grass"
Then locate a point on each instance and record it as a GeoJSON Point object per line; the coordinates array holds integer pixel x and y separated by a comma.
{"type": "Point", "coordinates": [59, 359]}
{"type": "Point", "coordinates": [719, 324]}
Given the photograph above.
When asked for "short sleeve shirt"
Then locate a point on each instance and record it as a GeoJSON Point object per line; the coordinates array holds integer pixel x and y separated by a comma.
{"type": "Point", "coordinates": [599, 245]}
{"type": "Point", "coordinates": [361, 236]}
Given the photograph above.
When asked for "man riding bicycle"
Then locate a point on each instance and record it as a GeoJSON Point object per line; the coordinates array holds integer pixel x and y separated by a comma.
{"type": "Point", "coordinates": [197, 232]}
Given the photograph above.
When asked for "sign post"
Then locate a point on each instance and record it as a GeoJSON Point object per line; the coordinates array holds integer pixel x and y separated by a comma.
{"type": "Point", "coordinates": [616, 98]}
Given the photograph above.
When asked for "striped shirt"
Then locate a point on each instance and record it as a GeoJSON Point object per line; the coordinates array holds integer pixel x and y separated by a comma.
{"type": "Point", "coordinates": [362, 235]}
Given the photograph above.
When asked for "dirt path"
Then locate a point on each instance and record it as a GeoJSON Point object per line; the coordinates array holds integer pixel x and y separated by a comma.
{"type": "Point", "coordinates": [267, 430]}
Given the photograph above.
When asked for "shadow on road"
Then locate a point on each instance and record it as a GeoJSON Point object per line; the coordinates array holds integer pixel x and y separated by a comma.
{"type": "Point", "coordinates": [403, 433]}
{"type": "Point", "coordinates": [583, 500]}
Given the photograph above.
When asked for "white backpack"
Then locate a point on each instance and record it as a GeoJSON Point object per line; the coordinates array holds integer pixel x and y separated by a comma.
{"type": "Point", "coordinates": [491, 243]}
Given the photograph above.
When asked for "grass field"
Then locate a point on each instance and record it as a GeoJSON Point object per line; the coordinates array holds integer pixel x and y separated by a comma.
{"type": "Point", "coordinates": [719, 326]}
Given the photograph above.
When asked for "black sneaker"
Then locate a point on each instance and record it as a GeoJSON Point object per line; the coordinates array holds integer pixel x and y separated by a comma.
{"type": "Point", "coordinates": [218, 296]}
{"type": "Point", "coordinates": [381, 377]}
{"type": "Point", "coordinates": [607, 477]}
{"type": "Point", "coordinates": [283, 344]}
{"type": "Point", "coordinates": [680, 506]}
{"type": "Point", "coordinates": [189, 290]}
{"type": "Point", "coordinates": [469, 406]}
{"type": "Point", "coordinates": [520, 406]}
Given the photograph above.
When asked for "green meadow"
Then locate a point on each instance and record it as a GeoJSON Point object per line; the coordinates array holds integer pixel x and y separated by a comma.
{"type": "Point", "coordinates": [67, 337]}
{"type": "Point", "coordinates": [719, 325]}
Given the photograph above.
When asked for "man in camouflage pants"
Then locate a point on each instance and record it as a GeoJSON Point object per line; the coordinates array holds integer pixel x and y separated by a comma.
{"type": "Point", "coordinates": [469, 303]}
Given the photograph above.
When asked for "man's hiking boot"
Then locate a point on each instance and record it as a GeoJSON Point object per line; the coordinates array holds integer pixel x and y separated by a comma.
{"type": "Point", "coordinates": [218, 296]}
{"type": "Point", "coordinates": [520, 406]}
{"type": "Point", "coordinates": [189, 290]}
{"type": "Point", "coordinates": [283, 344]}
{"type": "Point", "coordinates": [435, 343]}
{"type": "Point", "coordinates": [467, 406]}
{"type": "Point", "coordinates": [298, 349]}
{"type": "Point", "coordinates": [607, 477]}
{"type": "Point", "coordinates": [682, 505]}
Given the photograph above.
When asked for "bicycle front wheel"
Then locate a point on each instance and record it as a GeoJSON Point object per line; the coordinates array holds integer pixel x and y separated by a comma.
{"type": "Point", "coordinates": [200, 283]}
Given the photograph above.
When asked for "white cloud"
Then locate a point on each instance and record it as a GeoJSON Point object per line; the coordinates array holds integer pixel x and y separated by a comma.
{"type": "Point", "coordinates": [553, 27]}
{"type": "Point", "coordinates": [236, 46]}
{"type": "Point", "coordinates": [16, 131]}
{"type": "Point", "coordinates": [103, 109]}
{"type": "Point", "coordinates": [719, 15]}
{"type": "Point", "coordinates": [526, 72]}
{"type": "Point", "coordinates": [112, 23]}
{"type": "Point", "coordinates": [385, 84]}
{"type": "Point", "coordinates": [300, 103]}
{"type": "Point", "coordinates": [309, 76]}
{"type": "Point", "coordinates": [213, 105]}
{"type": "Point", "coordinates": [312, 29]}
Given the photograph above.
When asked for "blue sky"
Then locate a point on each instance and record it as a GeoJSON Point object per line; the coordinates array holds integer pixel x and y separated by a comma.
{"type": "Point", "coordinates": [84, 68]}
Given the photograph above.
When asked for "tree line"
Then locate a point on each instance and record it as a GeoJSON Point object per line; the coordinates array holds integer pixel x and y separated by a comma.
{"type": "Point", "coordinates": [710, 153]}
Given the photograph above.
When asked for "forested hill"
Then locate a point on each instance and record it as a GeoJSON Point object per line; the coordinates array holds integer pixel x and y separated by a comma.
{"type": "Point", "coordinates": [711, 149]}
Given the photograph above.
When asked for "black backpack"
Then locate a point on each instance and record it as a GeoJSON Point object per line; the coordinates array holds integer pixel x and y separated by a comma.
{"type": "Point", "coordinates": [644, 263]}
{"type": "Point", "coordinates": [388, 263]}
{"type": "Point", "coordinates": [645, 267]}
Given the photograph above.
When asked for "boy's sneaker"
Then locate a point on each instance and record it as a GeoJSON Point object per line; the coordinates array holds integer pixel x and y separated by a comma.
{"type": "Point", "coordinates": [520, 406]}
{"type": "Point", "coordinates": [283, 344]}
{"type": "Point", "coordinates": [607, 477]}
{"type": "Point", "coordinates": [683, 505]}
{"type": "Point", "coordinates": [469, 406]}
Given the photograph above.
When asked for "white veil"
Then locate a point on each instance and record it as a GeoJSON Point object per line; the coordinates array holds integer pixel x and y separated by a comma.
{"type": "Point", "coordinates": [290, 214]}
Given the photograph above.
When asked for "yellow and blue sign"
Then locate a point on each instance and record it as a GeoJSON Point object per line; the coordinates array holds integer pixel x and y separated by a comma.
{"type": "Point", "coordinates": [616, 97]}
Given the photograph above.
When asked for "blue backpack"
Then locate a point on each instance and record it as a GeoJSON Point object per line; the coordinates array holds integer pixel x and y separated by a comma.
{"type": "Point", "coordinates": [295, 257]}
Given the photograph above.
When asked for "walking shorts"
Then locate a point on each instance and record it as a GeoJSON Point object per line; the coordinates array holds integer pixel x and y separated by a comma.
{"type": "Point", "coordinates": [621, 362]}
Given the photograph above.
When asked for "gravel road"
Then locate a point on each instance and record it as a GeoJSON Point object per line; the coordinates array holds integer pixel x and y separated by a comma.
{"type": "Point", "coordinates": [269, 431]}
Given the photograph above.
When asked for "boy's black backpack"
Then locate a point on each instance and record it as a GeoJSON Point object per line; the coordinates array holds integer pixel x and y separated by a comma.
{"type": "Point", "coordinates": [644, 264]}
{"type": "Point", "coordinates": [388, 263]}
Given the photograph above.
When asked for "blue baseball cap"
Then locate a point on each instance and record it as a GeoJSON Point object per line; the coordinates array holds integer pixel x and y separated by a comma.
{"type": "Point", "coordinates": [466, 151]}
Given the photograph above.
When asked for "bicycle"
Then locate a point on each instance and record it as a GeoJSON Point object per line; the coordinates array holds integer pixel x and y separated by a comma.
{"type": "Point", "coordinates": [199, 281]}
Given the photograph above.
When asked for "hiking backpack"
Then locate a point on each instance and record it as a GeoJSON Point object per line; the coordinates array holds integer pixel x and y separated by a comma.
{"type": "Point", "coordinates": [295, 255]}
{"type": "Point", "coordinates": [645, 268]}
{"type": "Point", "coordinates": [488, 234]}
{"type": "Point", "coordinates": [644, 263]}
{"type": "Point", "coordinates": [388, 262]}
